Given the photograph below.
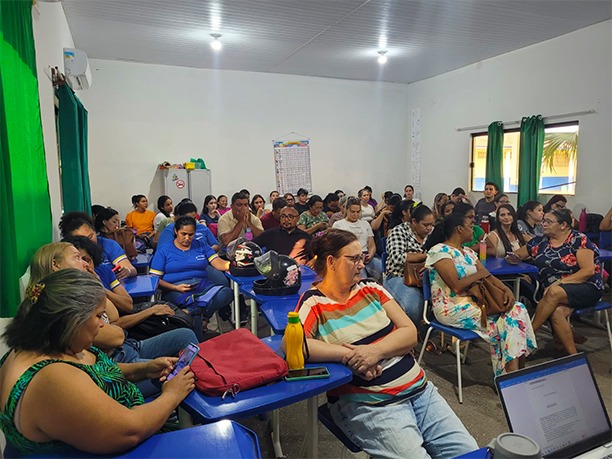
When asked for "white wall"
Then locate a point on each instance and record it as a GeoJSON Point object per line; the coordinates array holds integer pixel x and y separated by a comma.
{"type": "Point", "coordinates": [567, 74]}
{"type": "Point", "coordinates": [51, 35]}
{"type": "Point", "coordinates": [141, 115]}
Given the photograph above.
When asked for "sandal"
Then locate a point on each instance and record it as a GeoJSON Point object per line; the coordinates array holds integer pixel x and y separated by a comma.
{"type": "Point", "coordinates": [432, 348]}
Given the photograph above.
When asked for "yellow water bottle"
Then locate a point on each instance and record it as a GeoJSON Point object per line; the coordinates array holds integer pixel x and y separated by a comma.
{"type": "Point", "coordinates": [294, 341]}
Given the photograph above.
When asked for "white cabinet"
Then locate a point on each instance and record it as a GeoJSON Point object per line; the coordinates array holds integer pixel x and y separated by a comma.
{"type": "Point", "coordinates": [193, 184]}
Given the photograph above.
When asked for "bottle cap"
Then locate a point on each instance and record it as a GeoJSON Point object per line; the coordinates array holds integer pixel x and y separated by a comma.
{"type": "Point", "coordinates": [293, 318]}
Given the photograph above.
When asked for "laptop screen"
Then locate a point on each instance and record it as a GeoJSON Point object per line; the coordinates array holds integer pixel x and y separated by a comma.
{"type": "Point", "coordinates": [557, 404]}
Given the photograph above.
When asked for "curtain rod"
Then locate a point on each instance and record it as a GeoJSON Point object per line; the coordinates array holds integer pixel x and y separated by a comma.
{"type": "Point", "coordinates": [546, 118]}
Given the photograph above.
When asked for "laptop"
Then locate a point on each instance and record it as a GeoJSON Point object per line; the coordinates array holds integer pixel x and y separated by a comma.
{"type": "Point", "coordinates": [559, 406]}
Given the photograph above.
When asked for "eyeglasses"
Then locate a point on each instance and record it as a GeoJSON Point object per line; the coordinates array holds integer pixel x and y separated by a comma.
{"type": "Point", "coordinates": [288, 217]}
{"type": "Point", "coordinates": [504, 202]}
{"type": "Point", "coordinates": [548, 221]}
{"type": "Point", "coordinates": [355, 259]}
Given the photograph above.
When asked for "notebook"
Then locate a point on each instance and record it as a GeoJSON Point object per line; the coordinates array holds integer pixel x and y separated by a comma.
{"type": "Point", "coordinates": [559, 406]}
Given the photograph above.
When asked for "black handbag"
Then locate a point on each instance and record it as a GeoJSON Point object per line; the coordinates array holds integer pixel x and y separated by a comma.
{"type": "Point", "coordinates": [155, 325]}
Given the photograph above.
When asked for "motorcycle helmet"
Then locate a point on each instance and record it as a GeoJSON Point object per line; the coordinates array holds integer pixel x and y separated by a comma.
{"type": "Point", "coordinates": [282, 275]}
{"type": "Point", "coordinates": [241, 254]}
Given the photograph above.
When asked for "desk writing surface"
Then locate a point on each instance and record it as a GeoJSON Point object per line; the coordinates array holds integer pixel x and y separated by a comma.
{"type": "Point", "coordinates": [306, 272]}
{"type": "Point", "coordinates": [247, 290]}
{"type": "Point", "coordinates": [220, 439]}
{"type": "Point", "coordinates": [142, 260]}
{"type": "Point", "coordinates": [144, 285]}
{"type": "Point", "coordinates": [605, 255]}
{"type": "Point", "coordinates": [500, 267]}
{"type": "Point", "coordinates": [205, 408]}
{"type": "Point", "coordinates": [275, 313]}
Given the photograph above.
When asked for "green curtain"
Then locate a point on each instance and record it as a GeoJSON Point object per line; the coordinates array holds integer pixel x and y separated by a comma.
{"type": "Point", "coordinates": [25, 206]}
{"type": "Point", "coordinates": [72, 128]}
{"type": "Point", "coordinates": [530, 160]}
{"type": "Point", "coordinates": [495, 154]}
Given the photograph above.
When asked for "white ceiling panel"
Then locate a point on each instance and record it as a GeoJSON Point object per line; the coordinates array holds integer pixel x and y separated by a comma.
{"type": "Point", "coordinates": [326, 38]}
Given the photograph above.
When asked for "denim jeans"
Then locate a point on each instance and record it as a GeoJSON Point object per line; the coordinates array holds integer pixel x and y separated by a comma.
{"type": "Point", "coordinates": [409, 298]}
{"type": "Point", "coordinates": [167, 344]}
{"type": "Point", "coordinates": [419, 427]}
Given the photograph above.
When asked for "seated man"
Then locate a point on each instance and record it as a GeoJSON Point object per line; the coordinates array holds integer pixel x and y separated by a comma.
{"type": "Point", "coordinates": [486, 205]}
{"type": "Point", "coordinates": [302, 200]}
{"type": "Point", "coordinates": [202, 232]}
{"type": "Point", "coordinates": [272, 219]}
{"type": "Point", "coordinates": [287, 239]}
{"type": "Point", "coordinates": [238, 220]}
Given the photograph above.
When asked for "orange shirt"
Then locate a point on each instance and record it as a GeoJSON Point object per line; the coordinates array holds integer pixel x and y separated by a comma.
{"type": "Point", "coordinates": [142, 222]}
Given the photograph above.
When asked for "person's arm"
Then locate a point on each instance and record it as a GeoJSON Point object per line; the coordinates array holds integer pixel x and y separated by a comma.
{"type": "Point", "coordinates": [126, 269]}
{"type": "Point", "coordinates": [97, 423]}
{"type": "Point", "coordinates": [109, 337]}
{"type": "Point", "coordinates": [254, 224]}
{"type": "Point", "coordinates": [586, 262]}
{"type": "Point", "coordinates": [447, 271]}
{"type": "Point", "coordinates": [376, 222]}
{"type": "Point", "coordinates": [182, 288]}
{"type": "Point", "coordinates": [151, 369]}
{"type": "Point", "coordinates": [515, 257]}
{"type": "Point", "coordinates": [313, 229]}
{"type": "Point", "coordinates": [121, 299]}
{"type": "Point", "coordinates": [131, 320]}
{"type": "Point", "coordinates": [492, 241]}
{"type": "Point", "coordinates": [413, 257]}
{"type": "Point", "coordinates": [606, 223]}
{"type": "Point", "coordinates": [233, 233]}
{"type": "Point", "coordinates": [371, 249]}
{"type": "Point", "coordinates": [220, 264]}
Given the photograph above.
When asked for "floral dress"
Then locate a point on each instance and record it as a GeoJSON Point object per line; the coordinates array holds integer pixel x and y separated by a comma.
{"type": "Point", "coordinates": [510, 334]}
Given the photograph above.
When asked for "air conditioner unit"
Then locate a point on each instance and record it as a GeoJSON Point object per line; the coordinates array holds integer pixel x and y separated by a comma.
{"type": "Point", "coordinates": [76, 68]}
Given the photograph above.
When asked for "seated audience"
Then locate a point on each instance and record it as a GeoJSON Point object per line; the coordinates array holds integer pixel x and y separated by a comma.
{"type": "Point", "coordinates": [389, 409]}
{"type": "Point", "coordinates": [238, 221]}
{"type": "Point", "coordinates": [500, 198]}
{"type": "Point", "coordinates": [106, 221]}
{"type": "Point", "coordinates": [606, 222]}
{"type": "Point", "coordinates": [95, 208]}
{"type": "Point", "coordinates": [341, 210]}
{"type": "Point", "coordinates": [331, 204]}
{"type": "Point", "coordinates": [210, 215]}
{"type": "Point", "coordinates": [506, 236]}
{"type": "Point", "coordinates": [111, 339]}
{"type": "Point", "coordinates": [188, 269]}
{"type": "Point", "coordinates": [382, 218]}
{"type": "Point", "coordinates": [372, 202]}
{"type": "Point", "coordinates": [314, 219]}
{"type": "Point", "coordinates": [478, 233]}
{"type": "Point", "coordinates": [290, 199]}
{"type": "Point", "coordinates": [458, 195]}
{"type": "Point", "coordinates": [363, 231]}
{"type": "Point", "coordinates": [59, 390]}
{"type": "Point", "coordinates": [141, 218]}
{"type": "Point", "coordinates": [273, 196]}
{"type": "Point", "coordinates": [367, 211]}
{"type": "Point", "coordinates": [556, 202]}
{"type": "Point", "coordinates": [400, 214]}
{"type": "Point", "coordinates": [222, 204]}
{"type": "Point", "coordinates": [570, 273]}
{"type": "Point", "coordinates": [445, 210]}
{"type": "Point", "coordinates": [287, 238]}
{"type": "Point", "coordinates": [486, 205]}
{"type": "Point", "coordinates": [383, 201]}
{"type": "Point", "coordinates": [258, 204]}
{"type": "Point", "coordinates": [453, 269]}
{"type": "Point", "coordinates": [340, 193]}
{"type": "Point", "coordinates": [409, 194]}
{"type": "Point", "coordinates": [302, 200]}
{"type": "Point", "coordinates": [202, 233]}
{"type": "Point", "coordinates": [439, 201]}
{"type": "Point", "coordinates": [80, 224]}
{"type": "Point", "coordinates": [405, 244]}
{"type": "Point", "coordinates": [530, 217]}
{"type": "Point", "coordinates": [165, 207]}
{"type": "Point", "coordinates": [272, 219]}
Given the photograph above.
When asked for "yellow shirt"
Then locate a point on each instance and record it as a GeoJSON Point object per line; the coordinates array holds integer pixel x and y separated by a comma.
{"type": "Point", "coordinates": [142, 222]}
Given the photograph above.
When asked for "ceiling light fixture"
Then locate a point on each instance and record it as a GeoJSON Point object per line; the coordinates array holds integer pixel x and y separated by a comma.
{"type": "Point", "coordinates": [216, 43]}
{"type": "Point", "coordinates": [382, 57]}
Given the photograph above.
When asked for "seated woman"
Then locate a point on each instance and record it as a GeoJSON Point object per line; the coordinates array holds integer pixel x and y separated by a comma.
{"type": "Point", "coordinates": [106, 221]}
{"type": "Point", "coordinates": [141, 219]}
{"type": "Point", "coordinates": [382, 219]}
{"type": "Point", "coordinates": [258, 204]}
{"type": "Point", "coordinates": [56, 389]}
{"type": "Point", "coordinates": [165, 207]}
{"type": "Point", "coordinates": [570, 272]}
{"type": "Point", "coordinates": [111, 339]}
{"type": "Point", "coordinates": [405, 243]}
{"type": "Point", "coordinates": [530, 217]}
{"type": "Point", "coordinates": [107, 224]}
{"type": "Point", "coordinates": [80, 224]}
{"type": "Point", "coordinates": [222, 204]}
{"type": "Point", "coordinates": [367, 211]}
{"type": "Point", "coordinates": [439, 201]}
{"type": "Point", "coordinates": [331, 204]}
{"type": "Point", "coordinates": [389, 409]}
{"type": "Point", "coordinates": [360, 228]}
{"type": "Point", "coordinates": [313, 219]}
{"type": "Point", "coordinates": [184, 268]}
{"type": "Point", "coordinates": [210, 215]}
{"type": "Point", "coordinates": [453, 269]}
{"type": "Point", "coordinates": [477, 232]}
{"type": "Point", "coordinates": [506, 236]}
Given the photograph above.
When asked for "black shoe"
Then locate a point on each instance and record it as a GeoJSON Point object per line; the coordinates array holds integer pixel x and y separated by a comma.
{"type": "Point", "coordinates": [225, 313]}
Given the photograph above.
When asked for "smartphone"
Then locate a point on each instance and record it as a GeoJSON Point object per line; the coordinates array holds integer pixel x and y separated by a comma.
{"type": "Point", "coordinates": [116, 268]}
{"type": "Point", "coordinates": [307, 373]}
{"type": "Point", "coordinates": [186, 357]}
{"type": "Point", "coordinates": [193, 283]}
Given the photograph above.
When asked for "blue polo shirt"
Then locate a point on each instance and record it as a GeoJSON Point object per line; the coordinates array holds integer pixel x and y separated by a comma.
{"type": "Point", "coordinates": [113, 253]}
{"type": "Point", "coordinates": [107, 276]}
{"type": "Point", "coordinates": [201, 233]}
{"type": "Point", "coordinates": [173, 264]}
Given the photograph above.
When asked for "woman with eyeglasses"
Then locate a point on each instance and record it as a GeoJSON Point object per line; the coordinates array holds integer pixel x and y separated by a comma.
{"type": "Point", "coordinates": [389, 409]}
{"type": "Point", "coordinates": [314, 219]}
{"type": "Point", "coordinates": [570, 272]}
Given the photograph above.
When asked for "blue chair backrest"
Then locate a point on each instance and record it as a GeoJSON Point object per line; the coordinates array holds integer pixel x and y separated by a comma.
{"type": "Point", "coordinates": [426, 286]}
{"type": "Point", "coordinates": [605, 240]}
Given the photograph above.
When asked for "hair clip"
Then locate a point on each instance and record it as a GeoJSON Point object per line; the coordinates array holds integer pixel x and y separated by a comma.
{"type": "Point", "coordinates": [34, 291]}
{"type": "Point", "coordinates": [314, 258]}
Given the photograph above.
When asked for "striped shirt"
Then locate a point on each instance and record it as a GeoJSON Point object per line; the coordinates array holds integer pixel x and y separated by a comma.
{"type": "Point", "coordinates": [361, 320]}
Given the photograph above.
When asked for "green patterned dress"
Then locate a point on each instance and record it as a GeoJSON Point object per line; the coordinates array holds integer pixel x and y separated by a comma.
{"type": "Point", "coordinates": [105, 373]}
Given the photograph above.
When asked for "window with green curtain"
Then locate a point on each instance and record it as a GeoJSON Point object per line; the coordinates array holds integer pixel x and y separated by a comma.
{"type": "Point", "coordinates": [530, 161]}
{"type": "Point", "coordinates": [495, 154]}
{"type": "Point", "coordinates": [72, 128]}
{"type": "Point", "coordinates": [25, 207]}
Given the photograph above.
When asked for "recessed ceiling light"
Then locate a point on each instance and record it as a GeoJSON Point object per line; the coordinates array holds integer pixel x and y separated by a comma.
{"type": "Point", "coordinates": [382, 57]}
{"type": "Point", "coordinates": [216, 43]}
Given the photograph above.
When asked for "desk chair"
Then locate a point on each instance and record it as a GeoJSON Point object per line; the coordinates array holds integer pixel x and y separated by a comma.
{"type": "Point", "coordinates": [459, 333]}
{"type": "Point", "coordinates": [326, 419]}
{"type": "Point", "coordinates": [275, 313]}
{"type": "Point", "coordinates": [601, 306]}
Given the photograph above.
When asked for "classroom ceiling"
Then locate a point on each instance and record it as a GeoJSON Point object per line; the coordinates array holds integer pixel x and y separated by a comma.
{"type": "Point", "coordinates": [324, 38]}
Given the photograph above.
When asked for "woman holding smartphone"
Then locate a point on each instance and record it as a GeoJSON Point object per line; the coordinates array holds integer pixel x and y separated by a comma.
{"type": "Point", "coordinates": [389, 408]}
{"type": "Point", "coordinates": [56, 389]}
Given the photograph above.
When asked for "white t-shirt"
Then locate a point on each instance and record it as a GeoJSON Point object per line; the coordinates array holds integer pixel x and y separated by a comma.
{"type": "Point", "coordinates": [367, 213]}
{"type": "Point", "coordinates": [160, 217]}
{"type": "Point", "coordinates": [360, 228]}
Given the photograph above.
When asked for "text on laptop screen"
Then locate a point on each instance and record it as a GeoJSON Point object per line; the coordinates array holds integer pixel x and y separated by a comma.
{"type": "Point", "coordinates": [557, 407]}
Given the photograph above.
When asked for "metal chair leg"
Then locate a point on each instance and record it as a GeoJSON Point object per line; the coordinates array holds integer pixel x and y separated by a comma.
{"type": "Point", "coordinates": [458, 354]}
{"type": "Point", "coordinates": [424, 345]}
